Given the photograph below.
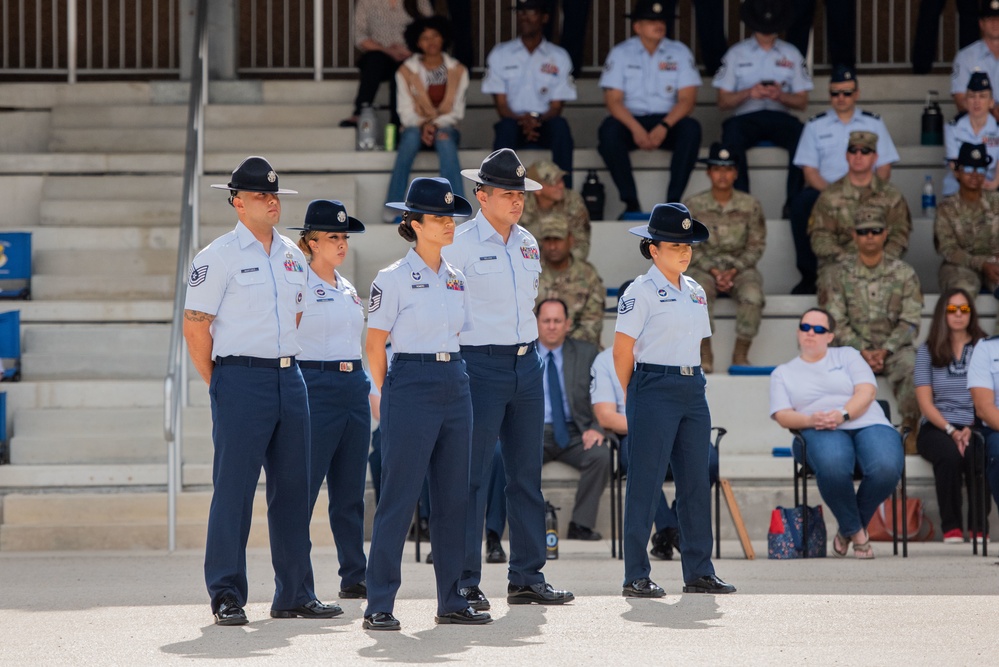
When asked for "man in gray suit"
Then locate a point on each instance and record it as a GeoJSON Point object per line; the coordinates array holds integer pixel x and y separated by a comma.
{"type": "Point", "coordinates": [572, 434]}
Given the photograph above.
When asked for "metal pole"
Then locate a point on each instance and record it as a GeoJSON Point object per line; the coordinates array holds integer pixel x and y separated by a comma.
{"type": "Point", "coordinates": [71, 40]}
{"type": "Point", "coordinates": [317, 40]}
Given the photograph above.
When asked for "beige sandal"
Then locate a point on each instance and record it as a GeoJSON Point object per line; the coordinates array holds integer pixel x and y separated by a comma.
{"type": "Point", "coordinates": [863, 550]}
{"type": "Point", "coordinates": [841, 545]}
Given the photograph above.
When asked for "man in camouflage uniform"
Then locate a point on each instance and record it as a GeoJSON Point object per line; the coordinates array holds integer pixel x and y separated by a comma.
{"type": "Point", "coordinates": [831, 224]}
{"type": "Point", "coordinates": [966, 231]}
{"type": "Point", "coordinates": [555, 196]}
{"type": "Point", "coordinates": [876, 302]}
{"type": "Point", "coordinates": [573, 280]}
{"type": "Point", "coordinates": [726, 262]}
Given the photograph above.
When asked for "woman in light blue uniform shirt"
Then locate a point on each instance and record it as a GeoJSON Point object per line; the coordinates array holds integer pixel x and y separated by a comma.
{"type": "Point", "coordinates": [421, 302]}
{"type": "Point", "coordinates": [661, 320]}
{"type": "Point", "coordinates": [330, 336]}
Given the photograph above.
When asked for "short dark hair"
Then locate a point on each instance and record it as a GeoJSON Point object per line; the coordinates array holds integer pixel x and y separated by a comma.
{"type": "Point", "coordinates": [552, 299]}
{"type": "Point", "coordinates": [436, 22]}
{"type": "Point", "coordinates": [815, 309]}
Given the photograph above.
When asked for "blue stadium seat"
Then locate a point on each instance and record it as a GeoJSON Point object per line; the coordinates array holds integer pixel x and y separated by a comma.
{"type": "Point", "coordinates": [15, 265]}
{"type": "Point", "coordinates": [10, 345]}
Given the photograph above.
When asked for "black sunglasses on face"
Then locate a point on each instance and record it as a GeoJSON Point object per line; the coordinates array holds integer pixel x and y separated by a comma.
{"type": "Point", "coordinates": [863, 150]}
{"type": "Point", "coordinates": [841, 93]}
{"type": "Point", "coordinates": [817, 328]}
{"type": "Point", "coordinates": [868, 232]}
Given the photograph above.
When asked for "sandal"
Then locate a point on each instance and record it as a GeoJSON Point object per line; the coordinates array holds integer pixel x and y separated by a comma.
{"type": "Point", "coordinates": [863, 550]}
{"type": "Point", "coordinates": [841, 545]}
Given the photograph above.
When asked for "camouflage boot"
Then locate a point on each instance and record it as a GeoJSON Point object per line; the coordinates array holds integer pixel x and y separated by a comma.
{"type": "Point", "coordinates": [707, 356]}
{"type": "Point", "coordinates": [740, 355]}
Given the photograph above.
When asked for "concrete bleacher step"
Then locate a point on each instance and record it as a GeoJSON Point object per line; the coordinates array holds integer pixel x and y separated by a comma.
{"type": "Point", "coordinates": [94, 351]}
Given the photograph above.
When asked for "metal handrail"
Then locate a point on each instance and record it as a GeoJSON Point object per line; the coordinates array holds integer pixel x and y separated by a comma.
{"type": "Point", "coordinates": [175, 383]}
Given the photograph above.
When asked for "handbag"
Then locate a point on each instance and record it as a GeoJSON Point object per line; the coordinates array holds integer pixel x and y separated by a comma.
{"type": "Point", "coordinates": [785, 539]}
{"type": "Point", "coordinates": [920, 528]}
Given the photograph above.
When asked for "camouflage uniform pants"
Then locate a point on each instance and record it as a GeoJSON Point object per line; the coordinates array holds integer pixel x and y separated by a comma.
{"type": "Point", "coordinates": [747, 290]}
{"type": "Point", "coordinates": [952, 275]}
{"type": "Point", "coordinates": [898, 371]}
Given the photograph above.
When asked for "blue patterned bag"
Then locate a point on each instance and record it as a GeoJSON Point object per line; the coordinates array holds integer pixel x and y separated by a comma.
{"type": "Point", "coordinates": [785, 540]}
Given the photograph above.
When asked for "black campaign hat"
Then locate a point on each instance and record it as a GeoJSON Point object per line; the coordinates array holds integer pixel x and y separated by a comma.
{"type": "Point", "coordinates": [254, 174]}
{"type": "Point", "coordinates": [766, 16]}
{"type": "Point", "coordinates": [540, 5]}
{"type": "Point", "coordinates": [329, 215]}
{"type": "Point", "coordinates": [673, 223]}
{"type": "Point", "coordinates": [718, 156]}
{"type": "Point", "coordinates": [502, 169]}
{"type": "Point", "coordinates": [649, 10]}
{"type": "Point", "coordinates": [845, 73]}
{"type": "Point", "coordinates": [979, 81]}
{"type": "Point", "coordinates": [989, 8]}
{"type": "Point", "coordinates": [973, 155]}
{"type": "Point", "coordinates": [433, 196]}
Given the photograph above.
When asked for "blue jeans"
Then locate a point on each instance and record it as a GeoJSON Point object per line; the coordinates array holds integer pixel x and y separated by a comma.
{"type": "Point", "coordinates": [834, 455]}
{"type": "Point", "coordinates": [445, 143]}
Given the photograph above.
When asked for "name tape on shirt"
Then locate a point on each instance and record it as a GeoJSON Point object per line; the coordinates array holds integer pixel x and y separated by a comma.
{"type": "Point", "coordinates": [375, 302]}
{"type": "Point", "coordinates": [198, 275]}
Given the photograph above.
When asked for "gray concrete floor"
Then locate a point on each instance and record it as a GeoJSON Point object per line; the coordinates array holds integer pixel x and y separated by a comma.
{"type": "Point", "coordinates": [937, 607]}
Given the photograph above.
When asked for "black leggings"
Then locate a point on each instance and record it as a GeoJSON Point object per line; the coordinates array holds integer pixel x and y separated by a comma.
{"type": "Point", "coordinates": [949, 467]}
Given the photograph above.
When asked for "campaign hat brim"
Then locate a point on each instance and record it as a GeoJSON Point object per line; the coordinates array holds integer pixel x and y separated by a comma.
{"type": "Point", "coordinates": [698, 233]}
{"type": "Point", "coordinates": [462, 208]}
{"type": "Point", "coordinates": [353, 226]}
{"type": "Point", "coordinates": [529, 184]}
{"type": "Point", "coordinates": [246, 188]}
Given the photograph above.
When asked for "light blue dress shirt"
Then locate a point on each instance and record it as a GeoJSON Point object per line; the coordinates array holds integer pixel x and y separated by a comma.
{"type": "Point", "coordinates": [530, 80]}
{"type": "Point", "coordinates": [604, 385]}
{"type": "Point", "coordinates": [747, 63]}
{"type": "Point", "coordinates": [959, 132]}
{"type": "Point", "coordinates": [825, 138]}
{"type": "Point", "coordinates": [983, 370]}
{"type": "Point", "coordinates": [650, 81]}
{"type": "Point", "coordinates": [333, 322]}
{"type": "Point", "coordinates": [975, 57]}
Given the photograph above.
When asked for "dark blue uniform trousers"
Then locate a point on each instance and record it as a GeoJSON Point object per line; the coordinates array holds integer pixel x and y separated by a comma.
{"type": "Point", "coordinates": [742, 132]}
{"type": "Point", "coordinates": [508, 402]}
{"type": "Point", "coordinates": [496, 494]}
{"type": "Point", "coordinates": [668, 424]}
{"type": "Point", "coordinates": [426, 427]}
{"type": "Point", "coordinates": [260, 417]}
{"type": "Point", "coordinates": [554, 134]}
{"type": "Point", "coordinates": [801, 212]}
{"type": "Point", "coordinates": [341, 428]}
{"type": "Point", "coordinates": [665, 516]}
{"type": "Point", "coordinates": [615, 143]}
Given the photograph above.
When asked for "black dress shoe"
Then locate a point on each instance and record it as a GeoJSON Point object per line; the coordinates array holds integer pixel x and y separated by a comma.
{"type": "Point", "coordinates": [358, 591]}
{"type": "Point", "coordinates": [430, 558]}
{"type": "Point", "coordinates": [381, 621]}
{"type": "Point", "coordinates": [312, 609]}
{"type": "Point", "coordinates": [541, 593]}
{"type": "Point", "coordinates": [804, 287]}
{"type": "Point", "coordinates": [642, 588]}
{"type": "Point", "coordinates": [230, 613]}
{"type": "Point", "coordinates": [577, 532]}
{"type": "Point", "coordinates": [475, 597]}
{"type": "Point", "coordinates": [466, 616]}
{"type": "Point", "coordinates": [662, 544]}
{"type": "Point", "coordinates": [494, 549]}
{"type": "Point", "coordinates": [709, 583]}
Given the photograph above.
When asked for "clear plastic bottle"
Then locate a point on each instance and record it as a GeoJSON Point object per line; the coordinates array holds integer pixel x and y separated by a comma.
{"type": "Point", "coordinates": [929, 198]}
{"type": "Point", "coordinates": [367, 129]}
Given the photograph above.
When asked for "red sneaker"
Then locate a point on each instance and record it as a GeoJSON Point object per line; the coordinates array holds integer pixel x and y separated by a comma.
{"type": "Point", "coordinates": [955, 536]}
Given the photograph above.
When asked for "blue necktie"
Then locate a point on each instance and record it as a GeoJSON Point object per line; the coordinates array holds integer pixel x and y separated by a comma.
{"type": "Point", "coordinates": [555, 398]}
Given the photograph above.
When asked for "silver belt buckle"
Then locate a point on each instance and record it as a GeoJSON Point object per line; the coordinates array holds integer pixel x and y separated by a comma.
{"type": "Point", "coordinates": [284, 362]}
{"type": "Point", "coordinates": [522, 350]}
{"type": "Point", "coordinates": [346, 367]}
{"type": "Point", "coordinates": [443, 356]}
{"type": "Point", "coordinates": [686, 370]}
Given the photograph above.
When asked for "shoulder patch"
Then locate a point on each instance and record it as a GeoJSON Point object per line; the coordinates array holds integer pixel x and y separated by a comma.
{"type": "Point", "coordinates": [626, 305]}
{"type": "Point", "coordinates": [871, 114]}
{"type": "Point", "coordinates": [375, 302]}
{"type": "Point", "coordinates": [198, 275]}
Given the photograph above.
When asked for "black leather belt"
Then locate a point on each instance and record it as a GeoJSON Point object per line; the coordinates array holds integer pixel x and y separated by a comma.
{"type": "Point", "coordinates": [256, 362]}
{"type": "Point", "coordinates": [439, 356]}
{"type": "Point", "coordinates": [669, 370]}
{"type": "Point", "coordinates": [520, 349]}
{"type": "Point", "coordinates": [341, 366]}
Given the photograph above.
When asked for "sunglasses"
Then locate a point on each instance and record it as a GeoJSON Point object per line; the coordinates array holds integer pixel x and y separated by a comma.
{"type": "Point", "coordinates": [841, 93]}
{"type": "Point", "coordinates": [863, 150]}
{"type": "Point", "coordinates": [973, 170]}
{"type": "Point", "coordinates": [817, 328]}
{"type": "Point", "coordinates": [964, 308]}
{"type": "Point", "coordinates": [868, 232]}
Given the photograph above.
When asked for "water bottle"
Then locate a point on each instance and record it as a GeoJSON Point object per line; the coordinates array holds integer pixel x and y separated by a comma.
{"type": "Point", "coordinates": [367, 129]}
{"type": "Point", "coordinates": [551, 532]}
{"type": "Point", "coordinates": [593, 195]}
{"type": "Point", "coordinates": [932, 122]}
{"type": "Point", "coordinates": [390, 136]}
{"type": "Point", "coordinates": [929, 198]}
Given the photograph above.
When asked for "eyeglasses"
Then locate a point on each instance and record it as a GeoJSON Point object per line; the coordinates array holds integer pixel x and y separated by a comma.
{"type": "Point", "coordinates": [973, 170]}
{"type": "Point", "coordinates": [868, 232]}
{"type": "Point", "coordinates": [964, 308]}
{"type": "Point", "coordinates": [817, 328]}
{"type": "Point", "coordinates": [841, 93]}
{"type": "Point", "coordinates": [863, 150]}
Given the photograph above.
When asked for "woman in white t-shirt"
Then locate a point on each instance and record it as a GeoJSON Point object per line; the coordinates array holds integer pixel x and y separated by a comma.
{"type": "Point", "coordinates": [828, 394]}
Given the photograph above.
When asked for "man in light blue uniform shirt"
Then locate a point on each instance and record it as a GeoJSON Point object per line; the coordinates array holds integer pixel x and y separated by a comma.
{"type": "Point", "coordinates": [502, 265]}
{"type": "Point", "coordinates": [763, 79]}
{"type": "Point", "coordinates": [983, 382]}
{"type": "Point", "coordinates": [980, 56]}
{"type": "Point", "coordinates": [529, 79]}
{"type": "Point", "coordinates": [650, 87]}
{"type": "Point", "coordinates": [977, 126]}
{"type": "Point", "coordinates": [244, 299]}
{"type": "Point", "coordinates": [821, 155]}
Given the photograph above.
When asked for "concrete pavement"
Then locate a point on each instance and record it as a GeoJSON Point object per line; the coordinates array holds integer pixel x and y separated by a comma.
{"type": "Point", "coordinates": [938, 607]}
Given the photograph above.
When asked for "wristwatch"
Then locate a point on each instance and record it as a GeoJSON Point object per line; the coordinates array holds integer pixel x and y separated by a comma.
{"type": "Point", "coordinates": [535, 115]}
{"type": "Point", "coordinates": [846, 415]}
{"type": "Point", "coordinates": [666, 125]}
{"type": "Point", "coordinates": [950, 429]}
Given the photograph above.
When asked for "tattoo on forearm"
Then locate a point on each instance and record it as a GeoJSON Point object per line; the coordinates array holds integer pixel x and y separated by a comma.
{"type": "Point", "coordinates": [197, 316]}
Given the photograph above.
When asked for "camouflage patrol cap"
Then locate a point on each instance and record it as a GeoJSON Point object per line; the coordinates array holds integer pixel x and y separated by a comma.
{"type": "Point", "coordinates": [869, 217]}
{"type": "Point", "coordinates": [864, 140]}
{"type": "Point", "coordinates": [554, 225]}
{"type": "Point", "coordinates": [545, 171]}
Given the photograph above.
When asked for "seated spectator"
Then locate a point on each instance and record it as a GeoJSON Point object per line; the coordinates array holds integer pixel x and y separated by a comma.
{"type": "Point", "coordinates": [941, 380]}
{"type": "Point", "coordinates": [841, 30]}
{"type": "Point", "coordinates": [924, 44]}
{"type": "Point", "coordinates": [977, 126]}
{"type": "Point", "coordinates": [572, 435]}
{"type": "Point", "coordinates": [966, 229]}
{"type": "Point", "coordinates": [875, 300]}
{"type": "Point", "coordinates": [822, 155]}
{"type": "Point", "coordinates": [431, 103]}
{"type": "Point", "coordinates": [573, 281]}
{"type": "Point", "coordinates": [378, 34]}
{"type": "Point", "coordinates": [529, 79]}
{"type": "Point", "coordinates": [650, 86]}
{"type": "Point", "coordinates": [827, 393]}
{"type": "Point", "coordinates": [763, 79]}
{"type": "Point", "coordinates": [726, 262]}
{"type": "Point", "coordinates": [836, 209]}
{"type": "Point", "coordinates": [980, 56]}
{"type": "Point", "coordinates": [983, 382]}
{"type": "Point", "coordinates": [555, 197]}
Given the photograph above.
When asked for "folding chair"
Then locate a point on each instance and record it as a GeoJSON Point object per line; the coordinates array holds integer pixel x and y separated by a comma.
{"type": "Point", "coordinates": [618, 476]}
{"type": "Point", "coordinates": [4, 445]}
{"type": "Point", "coordinates": [15, 265]}
{"type": "Point", "coordinates": [10, 346]}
